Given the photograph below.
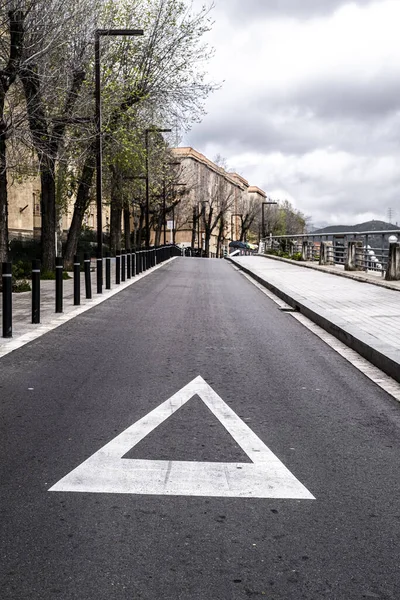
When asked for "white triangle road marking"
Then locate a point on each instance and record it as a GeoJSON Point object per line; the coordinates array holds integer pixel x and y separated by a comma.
{"type": "Point", "coordinates": [107, 472]}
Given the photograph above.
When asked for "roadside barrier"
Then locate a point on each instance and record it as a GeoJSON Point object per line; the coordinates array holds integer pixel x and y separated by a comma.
{"type": "Point", "coordinates": [77, 281]}
{"type": "Point", "coordinates": [123, 265]}
{"type": "Point", "coordinates": [376, 251]}
{"type": "Point", "coordinates": [7, 299]}
{"type": "Point", "coordinates": [108, 271]}
{"type": "Point", "coordinates": [127, 265]}
{"type": "Point", "coordinates": [133, 264]}
{"type": "Point", "coordinates": [35, 292]}
{"type": "Point", "coordinates": [88, 283]}
{"type": "Point", "coordinates": [99, 265]}
{"type": "Point", "coordinates": [117, 268]}
{"type": "Point", "coordinates": [59, 284]}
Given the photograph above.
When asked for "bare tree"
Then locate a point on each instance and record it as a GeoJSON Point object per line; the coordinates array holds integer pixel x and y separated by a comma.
{"type": "Point", "coordinates": [249, 208]}
{"type": "Point", "coordinates": [11, 46]}
{"type": "Point", "coordinates": [220, 198]}
{"type": "Point", "coordinates": [56, 57]}
{"type": "Point", "coordinates": [148, 82]}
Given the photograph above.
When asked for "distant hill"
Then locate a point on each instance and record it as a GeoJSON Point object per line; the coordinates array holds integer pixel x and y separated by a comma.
{"type": "Point", "coordinates": [367, 226]}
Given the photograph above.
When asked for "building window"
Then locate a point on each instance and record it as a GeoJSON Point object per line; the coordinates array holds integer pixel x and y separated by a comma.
{"type": "Point", "coordinates": [36, 204]}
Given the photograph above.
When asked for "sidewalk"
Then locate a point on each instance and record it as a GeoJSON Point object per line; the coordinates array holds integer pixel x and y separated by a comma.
{"type": "Point", "coordinates": [362, 314]}
{"type": "Point", "coordinates": [24, 331]}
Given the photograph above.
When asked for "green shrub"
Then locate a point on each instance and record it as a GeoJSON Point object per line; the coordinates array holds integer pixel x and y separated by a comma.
{"type": "Point", "coordinates": [50, 275]}
{"type": "Point", "coordinates": [284, 254]}
{"type": "Point", "coordinates": [22, 269]}
{"type": "Point", "coordinates": [20, 285]}
{"type": "Point", "coordinates": [24, 250]}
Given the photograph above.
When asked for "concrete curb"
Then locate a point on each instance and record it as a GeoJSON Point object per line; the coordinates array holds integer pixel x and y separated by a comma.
{"type": "Point", "coordinates": [366, 345]}
{"type": "Point", "coordinates": [355, 276]}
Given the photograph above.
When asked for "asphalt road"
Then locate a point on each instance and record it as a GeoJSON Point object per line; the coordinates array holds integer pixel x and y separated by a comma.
{"type": "Point", "coordinates": [69, 393]}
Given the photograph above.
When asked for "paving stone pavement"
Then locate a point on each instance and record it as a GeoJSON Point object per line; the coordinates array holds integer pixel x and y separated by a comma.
{"type": "Point", "coordinates": [364, 316]}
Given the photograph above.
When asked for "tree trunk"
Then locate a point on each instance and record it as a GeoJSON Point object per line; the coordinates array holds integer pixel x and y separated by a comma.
{"type": "Point", "coordinates": [115, 211]}
{"type": "Point", "coordinates": [220, 237]}
{"type": "Point", "coordinates": [81, 205]}
{"type": "Point", "coordinates": [3, 202]}
{"type": "Point", "coordinates": [115, 227]}
{"type": "Point", "coordinates": [208, 229]}
{"type": "Point", "coordinates": [140, 228]}
{"type": "Point", "coordinates": [243, 230]}
{"type": "Point", "coordinates": [207, 238]}
{"type": "Point", "coordinates": [158, 230]}
{"type": "Point", "coordinates": [48, 202]}
{"type": "Point", "coordinates": [194, 226]}
{"type": "Point", "coordinates": [127, 227]}
{"type": "Point", "coordinates": [7, 78]}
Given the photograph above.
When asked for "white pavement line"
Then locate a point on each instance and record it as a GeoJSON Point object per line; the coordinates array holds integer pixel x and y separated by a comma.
{"type": "Point", "coordinates": [107, 471]}
{"type": "Point", "coordinates": [11, 344]}
{"type": "Point", "coordinates": [380, 378]}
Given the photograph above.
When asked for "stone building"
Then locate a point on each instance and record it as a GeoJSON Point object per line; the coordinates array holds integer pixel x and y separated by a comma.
{"type": "Point", "coordinates": [209, 190]}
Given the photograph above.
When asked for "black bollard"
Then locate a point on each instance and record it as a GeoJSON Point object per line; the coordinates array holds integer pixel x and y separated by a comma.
{"type": "Point", "coordinates": [88, 283]}
{"type": "Point", "coordinates": [59, 284]}
{"type": "Point", "coordinates": [77, 281]}
{"type": "Point", "coordinates": [108, 271]}
{"type": "Point", "coordinates": [35, 292]}
{"type": "Point", "coordinates": [128, 264]}
{"type": "Point", "coordinates": [123, 265]}
{"type": "Point", "coordinates": [133, 264]}
{"type": "Point", "coordinates": [7, 299]}
{"type": "Point", "coordinates": [117, 268]}
{"type": "Point", "coordinates": [99, 269]}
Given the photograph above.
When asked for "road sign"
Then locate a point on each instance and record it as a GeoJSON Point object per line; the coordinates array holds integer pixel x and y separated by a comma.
{"type": "Point", "coordinates": [107, 471]}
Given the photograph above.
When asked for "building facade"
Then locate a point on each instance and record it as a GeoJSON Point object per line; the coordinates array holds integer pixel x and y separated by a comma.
{"type": "Point", "coordinates": [212, 206]}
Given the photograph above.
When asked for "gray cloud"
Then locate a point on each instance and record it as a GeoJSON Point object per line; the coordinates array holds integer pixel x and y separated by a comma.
{"type": "Point", "coordinates": [239, 10]}
{"type": "Point", "coordinates": [356, 99]}
{"type": "Point", "coordinates": [264, 127]}
{"type": "Point", "coordinates": [327, 137]}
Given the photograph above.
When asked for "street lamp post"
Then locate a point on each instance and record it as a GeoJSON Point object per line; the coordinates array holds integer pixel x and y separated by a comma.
{"type": "Point", "coordinates": [164, 213]}
{"type": "Point", "coordinates": [263, 218]}
{"type": "Point", "coordinates": [99, 192]}
{"type": "Point", "coordinates": [146, 137]}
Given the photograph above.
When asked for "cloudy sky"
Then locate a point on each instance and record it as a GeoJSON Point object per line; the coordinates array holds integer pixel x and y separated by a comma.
{"type": "Point", "coordinates": [310, 105]}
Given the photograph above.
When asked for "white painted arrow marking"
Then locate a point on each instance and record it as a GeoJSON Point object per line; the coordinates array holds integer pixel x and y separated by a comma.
{"type": "Point", "coordinates": [107, 472]}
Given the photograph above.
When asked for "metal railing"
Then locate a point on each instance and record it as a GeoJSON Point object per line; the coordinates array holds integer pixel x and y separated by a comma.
{"type": "Point", "coordinates": [372, 250]}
